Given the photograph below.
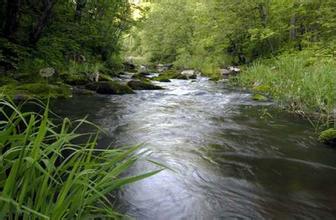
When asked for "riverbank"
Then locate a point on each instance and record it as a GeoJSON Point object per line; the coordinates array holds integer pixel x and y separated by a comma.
{"type": "Point", "coordinates": [303, 82]}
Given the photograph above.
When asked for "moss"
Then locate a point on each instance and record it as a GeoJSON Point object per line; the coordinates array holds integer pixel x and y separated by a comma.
{"type": "Point", "coordinates": [110, 87]}
{"type": "Point", "coordinates": [75, 79]}
{"type": "Point", "coordinates": [37, 90]}
{"type": "Point", "coordinates": [142, 85]}
{"type": "Point", "coordinates": [138, 76]}
{"type": "Point", "coordinates": [170, 74]}
{"type": "Point", "coordinates": [328, 137]}
{"type": "Point", "coordinates": [259, 97]}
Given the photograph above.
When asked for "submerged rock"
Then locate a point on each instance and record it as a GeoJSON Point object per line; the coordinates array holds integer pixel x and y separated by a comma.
{"type": "Point", "coordinates": [328, 137]}
{"type": "Point", "coordinates": [111, 87]}
{"type": "Point", "coordinates": [142, 85]}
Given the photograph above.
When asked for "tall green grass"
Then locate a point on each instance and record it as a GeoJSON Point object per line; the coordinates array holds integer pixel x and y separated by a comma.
{"type": "Point", "coordinates": [303, 82]}
{"type": "Point", "coordinates": [44, 175]}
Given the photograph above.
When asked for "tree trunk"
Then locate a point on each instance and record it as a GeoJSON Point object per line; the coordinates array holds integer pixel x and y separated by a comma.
{"type": "Point", "coordinates": [12, 18]}
{"type": "Point", "coordinates": [42, 21]}
{"type": "Point", "coordinates": [292, 31]}
{"type": "Point", "coordinates": [80, 5]}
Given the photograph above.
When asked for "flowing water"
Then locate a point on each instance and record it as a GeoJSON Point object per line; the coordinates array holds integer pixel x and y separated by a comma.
{"type": "Point", "coordinates": [232, 158]}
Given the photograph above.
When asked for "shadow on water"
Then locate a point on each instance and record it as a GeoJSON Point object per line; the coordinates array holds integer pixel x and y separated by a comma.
{"type": "Point", "coordinates": [231, 160]}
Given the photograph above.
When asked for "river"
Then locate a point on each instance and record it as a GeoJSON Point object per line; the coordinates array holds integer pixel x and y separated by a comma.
{"type": "Point", "coordinates": [232, 158]}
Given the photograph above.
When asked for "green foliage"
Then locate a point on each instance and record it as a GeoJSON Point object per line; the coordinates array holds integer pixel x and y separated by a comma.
{"type": "Point", "coordinates": [57, 33]}
{"type": "Point", "coordinates": [44, 175]}
{"type": "Point", "coordinates": [208, 34]}
{"type": "Point", "coordinates": [303, 81]}
{"type": "Point", "coordinates": [41, 90]}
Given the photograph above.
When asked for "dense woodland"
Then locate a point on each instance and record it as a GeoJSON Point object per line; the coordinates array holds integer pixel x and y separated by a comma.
{"type": "Point", "coordinates": [232, 31]}
{"type": "Point", "coordinates": [36, 34]}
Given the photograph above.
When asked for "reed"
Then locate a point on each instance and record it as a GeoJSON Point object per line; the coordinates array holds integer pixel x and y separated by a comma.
{"type": "Point", "coordinates": [45, 175]}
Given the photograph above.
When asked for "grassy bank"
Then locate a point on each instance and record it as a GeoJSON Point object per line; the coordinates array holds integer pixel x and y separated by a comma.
{"type": "Point", "coordinates": [303, 82]}
{"type": "Point", "coordinates": [45, 175]}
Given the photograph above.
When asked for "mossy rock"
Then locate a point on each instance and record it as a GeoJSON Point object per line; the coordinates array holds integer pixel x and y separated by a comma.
{"type": "Point", "coordinates": [37, 90]}
{"type": "Point", "coordinates": [79, 79]}
{"type": "Point", "coordinates": [142, 85]}
{"type": "Point", "coordinates": [104, 77]}
{"type": "Point", "coordinates": [111, 87]}
{"type": "Point", "coordinates": [328, 137]}
{"type": "Point", "coordinates": [259, 97]}
{"type": "Point", "coordinates": [168, 75]}
{"type": "Point", "coordinates": [139, 76]}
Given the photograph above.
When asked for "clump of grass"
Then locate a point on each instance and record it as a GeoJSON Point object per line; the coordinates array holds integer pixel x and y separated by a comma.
{"type": "Point", "coordinates": [303, 82]}
{"type": "Point", "coordinates": [44, 175]}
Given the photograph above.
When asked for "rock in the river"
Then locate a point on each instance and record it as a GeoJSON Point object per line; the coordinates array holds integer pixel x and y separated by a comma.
{"type": "Point", "coordinates": [230, 71]}
{"type": "Point", "coordinates": [111, 87]}
{"type": "Point", "coordinates": [163, 67]}
{"type": "Point", "coordinates": [328, 137]}
{"type": "Point", "coordinates": [142, 85]}
{"type": "Point", "coordinates": [191, 74]}
{"type": "Point", "coordinates": [259, 97]}
{"type": "Point", "coordinates": [143, 70]}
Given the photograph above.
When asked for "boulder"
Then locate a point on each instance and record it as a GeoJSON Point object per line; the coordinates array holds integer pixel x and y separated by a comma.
{"type": "Point", "coordinates": [328, 137]}
{"type": "Point", "coordinates": [230, 71]}
{"type": "Point", "coordinates": [190, 74]}
{"type": "Point", "coordinates": [142, 85]}
{"type": "Point", "coordinates": [143, 70]}
{"type": "Point", "coordinates": [163, 67]}
{"type": "Point", "coordinates": [47, 72]}
{"type": "Point", "coordinates": [111, 87]}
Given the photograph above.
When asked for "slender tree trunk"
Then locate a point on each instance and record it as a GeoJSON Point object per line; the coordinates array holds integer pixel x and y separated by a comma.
{"type": "Point", "coordinates": [292, 31]}
{"type": "Point", "coordinates": [12, 18]}
{"type": "Point", "coordinates": [264, 20]}
{"type": "Point", "coordinates": [80, 5]}
{"type": "Point", "coordinates": [42, 21]}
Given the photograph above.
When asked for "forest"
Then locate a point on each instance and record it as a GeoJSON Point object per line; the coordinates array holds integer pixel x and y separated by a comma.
{"type": "Point", "coordinates": [91, 90]}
